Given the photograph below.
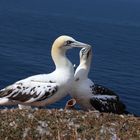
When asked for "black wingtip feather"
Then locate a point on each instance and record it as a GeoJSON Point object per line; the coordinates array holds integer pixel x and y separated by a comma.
{"type": "Point", "coordinates": [112, 106]}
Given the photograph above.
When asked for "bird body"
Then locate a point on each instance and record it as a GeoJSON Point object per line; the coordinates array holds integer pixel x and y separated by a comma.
{"type": "Point", "coordinates": [92, 96]}
{"type": "Point", "coordinates": [44, 89]}
{"type": "Point", "coordinates": [79, 93]}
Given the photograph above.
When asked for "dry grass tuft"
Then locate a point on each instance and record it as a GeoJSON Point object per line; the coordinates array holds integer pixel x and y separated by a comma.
{"type": "Point", "coordinates": [66, 125]}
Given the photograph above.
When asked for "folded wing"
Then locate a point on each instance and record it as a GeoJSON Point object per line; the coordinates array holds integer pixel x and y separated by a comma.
{"type": "Point", "coordinates": [105, 100]}
{"type": "Point", "coordinates": [29, 91]}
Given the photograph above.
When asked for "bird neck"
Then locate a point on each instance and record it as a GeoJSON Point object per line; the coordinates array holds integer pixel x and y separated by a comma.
{"type": "Point", "coordinates": [82, 71]}
{"type": "Point", "coordinates": [60, 59]}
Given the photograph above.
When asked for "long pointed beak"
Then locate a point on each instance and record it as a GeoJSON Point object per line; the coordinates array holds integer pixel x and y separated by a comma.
{"type": "Point", "coordinates": [80, 45]}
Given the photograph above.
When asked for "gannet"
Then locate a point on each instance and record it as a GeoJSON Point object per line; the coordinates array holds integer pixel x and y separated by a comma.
{"type": "Point", "coordinates": [44, 89]}
{"type": "Point", "coordinates": [92, 96]}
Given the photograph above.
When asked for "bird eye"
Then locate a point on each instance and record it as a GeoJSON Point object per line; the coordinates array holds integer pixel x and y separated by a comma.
{"type": "Point", "coordinates": [83, 51]}
{"type": "Point", "coordinates": [69, 42]}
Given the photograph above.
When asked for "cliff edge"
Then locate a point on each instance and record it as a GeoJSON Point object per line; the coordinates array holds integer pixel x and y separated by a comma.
{"type": "Point", "coordinates": [54, 124]}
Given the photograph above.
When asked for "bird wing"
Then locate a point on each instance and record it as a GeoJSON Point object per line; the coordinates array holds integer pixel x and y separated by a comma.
{"type": "Point", "coordinates": [107, 103]}
{"type": "Point", "coordinates": [102, 90]}
{"type": "Point", "coordinates": [29, 91]}
{"type": "Point", "coordinates": [105, 100]}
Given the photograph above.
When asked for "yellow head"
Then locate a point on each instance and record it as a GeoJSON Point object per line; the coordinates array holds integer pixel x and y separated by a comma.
{"type": "Point", "coordinates": [61, 45]}
{"type": "Point", "coordinates": [66, 42]}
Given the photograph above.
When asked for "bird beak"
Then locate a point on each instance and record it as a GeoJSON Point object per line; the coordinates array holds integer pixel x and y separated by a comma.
{"type": "Point", "coordinates": [80, 45]}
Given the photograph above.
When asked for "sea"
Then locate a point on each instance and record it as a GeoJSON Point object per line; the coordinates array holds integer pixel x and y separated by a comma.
{"type": "Point", "coordinates": [28, 29]}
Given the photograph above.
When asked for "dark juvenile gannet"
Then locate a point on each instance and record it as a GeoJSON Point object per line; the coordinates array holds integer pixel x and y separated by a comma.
{"type": "Point", "coordinates": [93, 96]}
{"type": "Point", "coordinates": [44, 89]}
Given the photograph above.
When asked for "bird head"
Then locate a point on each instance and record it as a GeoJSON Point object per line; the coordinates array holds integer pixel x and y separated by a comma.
{"type": "Point", "coordinates": [66, 42]}
{"type": "Point", "coordinates": [85, 54]}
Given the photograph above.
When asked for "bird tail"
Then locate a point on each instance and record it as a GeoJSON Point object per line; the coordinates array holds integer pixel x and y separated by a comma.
{"type": "Point", "coordinates": [4, 101]}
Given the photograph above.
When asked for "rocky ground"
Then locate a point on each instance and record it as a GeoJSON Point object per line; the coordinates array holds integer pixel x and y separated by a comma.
{"type": "Point", "coordinates": [43, 124]}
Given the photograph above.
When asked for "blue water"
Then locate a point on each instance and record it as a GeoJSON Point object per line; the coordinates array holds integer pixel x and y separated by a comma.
{"type": "Point", "coordinates": [28, 28]}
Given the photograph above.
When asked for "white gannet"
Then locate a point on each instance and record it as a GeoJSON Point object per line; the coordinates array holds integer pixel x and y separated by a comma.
{"type": "Point", "coordinates": [44, 89]}
{"type": "Point", "coordinates": [92, 96]}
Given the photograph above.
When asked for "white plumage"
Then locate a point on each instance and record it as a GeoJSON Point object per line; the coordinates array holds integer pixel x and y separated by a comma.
{"type": "Point", "coordinates": [44, 89]}
{"type": "Point", "coordinates": [93, 96]}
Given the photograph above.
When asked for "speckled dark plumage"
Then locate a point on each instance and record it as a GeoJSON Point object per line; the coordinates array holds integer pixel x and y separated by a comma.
{"type": "Point", "coordinates": [106, 100]}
